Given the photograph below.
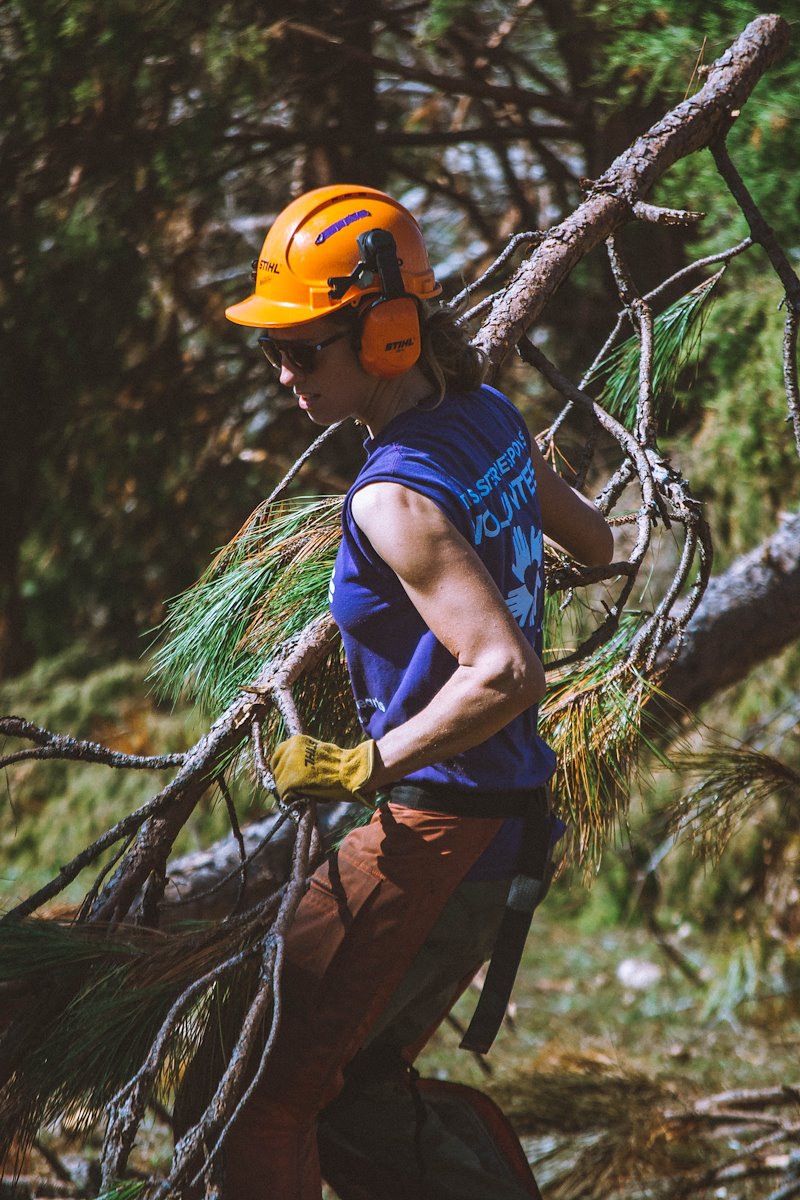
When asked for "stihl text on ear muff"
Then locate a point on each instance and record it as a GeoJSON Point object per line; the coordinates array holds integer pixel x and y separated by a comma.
{"type": "Point", "coordinates": [389, 340]}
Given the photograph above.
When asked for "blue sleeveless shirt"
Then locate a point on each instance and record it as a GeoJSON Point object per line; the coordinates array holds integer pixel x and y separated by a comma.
{"type": "Point", "coordinates": [471, 455]}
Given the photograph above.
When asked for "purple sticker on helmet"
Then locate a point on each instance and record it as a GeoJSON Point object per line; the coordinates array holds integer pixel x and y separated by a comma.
{"type": "Point", "coordinates": [342, 224]}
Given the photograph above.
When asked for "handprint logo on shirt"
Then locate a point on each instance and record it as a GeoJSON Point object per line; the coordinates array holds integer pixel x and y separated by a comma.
{"type": "Point", "coordinates": [523, 601]}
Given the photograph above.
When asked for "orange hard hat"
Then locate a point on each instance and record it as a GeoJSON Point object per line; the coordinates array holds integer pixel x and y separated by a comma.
{"type": "Point", "coordinates": [311, 262]}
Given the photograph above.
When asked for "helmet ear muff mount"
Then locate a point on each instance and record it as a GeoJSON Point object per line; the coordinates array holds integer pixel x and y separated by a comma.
{"type": "Point", "coordinates": [388, 333]}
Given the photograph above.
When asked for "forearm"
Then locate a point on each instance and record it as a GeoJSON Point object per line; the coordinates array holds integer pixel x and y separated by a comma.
{"type": "Point", "coordinates": [570, 520]}
{"type": "Point", "coordinates": [464, 713]}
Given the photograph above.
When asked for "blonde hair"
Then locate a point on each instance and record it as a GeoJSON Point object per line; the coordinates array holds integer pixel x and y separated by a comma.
{"type": "Point", "coordinates": [448, 358]}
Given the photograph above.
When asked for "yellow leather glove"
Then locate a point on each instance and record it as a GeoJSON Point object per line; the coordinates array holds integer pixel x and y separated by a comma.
{"type": "Point", "coordinates": [302, 766]}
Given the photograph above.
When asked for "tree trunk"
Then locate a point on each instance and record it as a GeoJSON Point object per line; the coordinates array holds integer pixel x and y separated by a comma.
{"type": "Point", "coordinates": [207, 884]}
{"type": "Point", "coordinates": [747, 615]}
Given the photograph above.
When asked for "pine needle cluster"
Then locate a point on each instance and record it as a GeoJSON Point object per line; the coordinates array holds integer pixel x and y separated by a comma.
{"type": "Point", "coordinates": [89, 1006]}
{"type": "Point", "coordinates": [731, 784]}
{"type": "Point", "coordinates": [262, 588]}
{"type": "Point", "coordinates": [595, 717]}
{"type": "Point", "coordinates": [677, 333]}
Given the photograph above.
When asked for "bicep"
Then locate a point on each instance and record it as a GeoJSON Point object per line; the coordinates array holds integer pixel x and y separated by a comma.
{"type": "Point", "coordinates": [439, 570]}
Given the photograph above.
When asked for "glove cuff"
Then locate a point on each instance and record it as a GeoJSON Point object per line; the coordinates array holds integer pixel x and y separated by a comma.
{"type": "Point", "coordinates": [357, 766]}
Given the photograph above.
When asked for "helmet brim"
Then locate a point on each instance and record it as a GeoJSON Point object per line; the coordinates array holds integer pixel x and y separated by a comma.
{"type": "Point", "coordinates": [260, 313]}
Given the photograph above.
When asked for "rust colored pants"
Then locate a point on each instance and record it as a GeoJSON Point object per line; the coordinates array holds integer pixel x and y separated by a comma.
{"type": "Point", "coordinates": [366, 914]}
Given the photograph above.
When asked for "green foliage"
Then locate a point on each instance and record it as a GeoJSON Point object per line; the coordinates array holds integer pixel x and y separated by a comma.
{"type": "Point", "coordinates": [739, 984]}
{"type": "Point", "coordinates": [260, 590]}
{"type": "Point", "coordinates": [130, 1190]}
{"type": "Point", "coordinates": [595, 718]}
{"type": "Point", "coordinates": [50, 810]}
{"type": "Point", "coordinates": [732, 812]}
{"type": "Point", "coordinates": [739, 454]}
{"type": "Point", "coordinates": [113, 145]}
{"type": "Point", "coordinates": [731, 783]}
{"type": "Point", "coordinates": [653, 49]}
{"type": "Point", "coordinates": [79, 1041]}
{"type": "Point", "coordinates": [676, 342]}
{"type": "Point", "coordinates": [442, 15]}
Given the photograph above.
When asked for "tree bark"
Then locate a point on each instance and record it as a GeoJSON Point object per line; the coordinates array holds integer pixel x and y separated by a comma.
{"type": "Point", "coordinates": [748, 614]}
{"type": "Point", "coordinates": [207, 884]}
{"type": "Point", "coordinates": [687, 128]}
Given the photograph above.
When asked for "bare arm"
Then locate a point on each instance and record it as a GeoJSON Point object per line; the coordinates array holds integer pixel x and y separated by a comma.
{"type": "Point", "coordinates": [569, 519]}
{"type": "Point", "coordinates": [498, 674]}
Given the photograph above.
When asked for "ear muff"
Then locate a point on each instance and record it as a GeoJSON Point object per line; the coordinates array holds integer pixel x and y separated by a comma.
{"type": "Point", "coordinates": [389, 337]}
{"type": "Point", "coordinates": [389, 340]}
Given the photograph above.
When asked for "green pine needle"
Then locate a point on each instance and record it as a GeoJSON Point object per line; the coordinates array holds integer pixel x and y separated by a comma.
{"type": "Point", "coordinates": [677, 334]}
{"type": "Point", "coordinates": [595, 718]}
{"type": "Point", "coordinates": [262, 588]}
{"type": "Point", "coordinates": [131, 1189]}
{"type": "Point", "coordinates": [83, 1010]}
{"type": "Point", "coordinates": [733, 782]}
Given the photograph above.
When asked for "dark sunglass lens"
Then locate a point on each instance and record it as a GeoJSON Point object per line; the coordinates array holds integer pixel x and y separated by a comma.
{"type": "Point", "coordinates": [301, 357]}
{"type": "Point", "coordinates": [272, 352]}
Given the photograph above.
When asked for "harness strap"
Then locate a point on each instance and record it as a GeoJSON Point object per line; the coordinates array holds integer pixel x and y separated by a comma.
{"type": "Point", "coordinates": [528, 887]}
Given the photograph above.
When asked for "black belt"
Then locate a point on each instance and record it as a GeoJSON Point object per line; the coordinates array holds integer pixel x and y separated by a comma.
{"type": "Point", "coordinates": [528, 887]}
{"type": "Point", "coordinates": [468, 802]}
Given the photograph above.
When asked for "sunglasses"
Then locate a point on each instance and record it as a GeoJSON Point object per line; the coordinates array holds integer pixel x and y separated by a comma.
{"type": "Point", "coordinates": [302, 356]}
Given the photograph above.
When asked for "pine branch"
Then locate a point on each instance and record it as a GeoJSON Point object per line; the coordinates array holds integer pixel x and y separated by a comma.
{"type": "Point", "coordinates": [156, 838]}
{"type": "Point", "coordinates": [596, 715]}
{"type": "Point", "coordinates": [63, 746]}
{"type": "Point", "coordinates": [760, 230]}
{"type": "Point", "coordinates": [605, 352]}
{"type": "Point", "coordinates": [693, 124]}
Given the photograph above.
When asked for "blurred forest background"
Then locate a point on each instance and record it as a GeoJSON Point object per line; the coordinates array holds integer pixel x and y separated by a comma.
{"type": "Point", "coordinates": [144, 149]}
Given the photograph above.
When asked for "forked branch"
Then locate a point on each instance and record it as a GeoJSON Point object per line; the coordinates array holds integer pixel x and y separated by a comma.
{"type": "Point", "coordinates": [143, 841]}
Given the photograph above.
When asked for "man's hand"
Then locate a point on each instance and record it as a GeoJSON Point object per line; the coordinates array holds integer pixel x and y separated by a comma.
{"type": "Point", "coordinates": [302, 766]}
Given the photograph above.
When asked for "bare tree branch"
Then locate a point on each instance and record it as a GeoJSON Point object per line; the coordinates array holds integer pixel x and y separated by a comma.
{"type": "Point", "coordinates": [156, 838]}
{"type": "Point", "coordinates": [760, 231]}
{"type": "Point", "coordinates": [62, 745]}
{"type": "Point", "coordinates": [550, 101]}
{"type": "Point", "coordinates": [693, 124]}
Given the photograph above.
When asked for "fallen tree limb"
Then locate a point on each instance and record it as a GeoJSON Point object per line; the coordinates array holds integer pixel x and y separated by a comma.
{"type": "Point", "coordinates": [689, 127]}
{"type": "Point", "coordinates": [204, 885]}
{"type": "Point", "coordinates": [728, 635]}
